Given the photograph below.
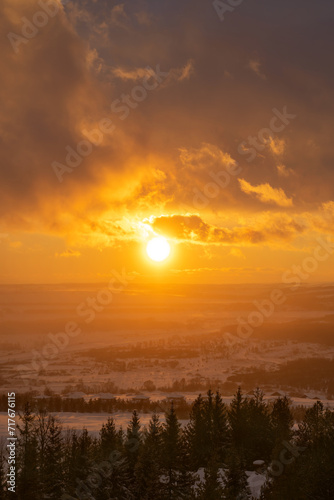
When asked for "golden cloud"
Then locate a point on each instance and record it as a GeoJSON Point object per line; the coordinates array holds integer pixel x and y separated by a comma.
{"type": "Point", "coordinates": [194, 229]}
{"type": "Point", "coordinates": [266, 194]}
{"type": "Point", "coordinates": [174, 74]}
{"type": "Point", "coordinates": [277, 146]}
{"type": "Point", "coordinates": [69, 253]}
{"type": "Point", "coordinates": [283, 171]}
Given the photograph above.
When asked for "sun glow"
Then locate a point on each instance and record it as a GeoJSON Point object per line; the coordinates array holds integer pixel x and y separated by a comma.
{"type": "Point", "coordinates": [158, 249]}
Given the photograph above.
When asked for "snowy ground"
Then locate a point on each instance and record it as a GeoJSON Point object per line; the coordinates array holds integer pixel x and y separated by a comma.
{"type": "Point", "coordinates": [73, 367]}
{"type": "Point", "coordinates": [164, 335]}
{"type": "Point", "coordinates": [254, 479]}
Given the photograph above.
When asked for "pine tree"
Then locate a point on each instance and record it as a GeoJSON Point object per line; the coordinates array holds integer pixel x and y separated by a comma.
{"type": "Point", "coordinates": [85, 455]}
{"type": "Point", "coordinates": [52, 459]}
{"type": "Point", "coordinates": [148, 469]}
{"type": "Point", "coordinates": [42, 426]}
{"type": "Point", "coordinates": [176, 478]}
{"type": "Point", "coordinates": [28, 486]}
{"type": "Point", "coordinates": [117, 480]}
{"type": "Point", "coordinates": [78, 462]}
{"type": "Point", "coordinates": [186, 478]}
{"type": "Point", "coordinates": [281, 420]}
{"type": "Point", "coordinates": [109, 440]}
{"type": "Point", "coordinates": [220, 434]}
{"type": "Point", "coordinates": [70, 465]}
{"type": "Point", "coordinates": [259, 437]}
{"type": "Point", "coordinates": [315, 460]}
{"type": "Point", "coordinates": [237, 417]}
{"type": "Point", "coordinates": [208, 408]}
{"type": "Point", "coordinates": [133, 440]}
{"type": "Point", "coordinates": [171, 456]}
{"type": "Point", "coordinates": [311, 428]}
{"type": "Point", "coordinates": [133, 445]}
{"type": "Point", "coordinates": [281, 424]}
{"type": "Point", "coordinates": [207, 431]}
{"type": "Point", "coordinates": [196, 434]}
{"type": "Point", "coordinates": [306, 467]}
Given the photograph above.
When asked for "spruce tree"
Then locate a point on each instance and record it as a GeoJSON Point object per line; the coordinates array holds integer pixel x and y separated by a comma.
{"type": "Point", "coordinates": [281, 425]}
{"type": "Point", "coordinates": [78, 462]}
{"type": "Point", "coordinates": [85, 453]}
{"type": "Point", "coordinates": [171, 455]}
{"type": "Point", "coordinates": [207, 431]}
{"type": "Point", "coordinates": [133, 444]}
{"type": "Point", "coordinates": [148, 469]}
{"type": "Point", "coordinates": [315, 462]}
{"type": "Point", "coordinates": [196, 434]}
{"type": "Point", "coordinates": [281, 420]}
{"type": "Point", "coordinates": [52, 480]}
{"type": "Point", "coordinates": [220, 433]}
{"type": "Point", "coordinates": [306, 469]}
{"type": "Point", "coordinates": [259, 437]}
{"type": "Point", "coordinates": [28, 486]}
{"type": "Point", "coordinates": [108, 438]}
{"type": "Point", "coordinates": [70, 461]}
{"type": "Point", "coordinates": [176, 477]}
{"type": "Point", "coordinates": [117, 479]}
{"type": "Point", "coordinates": [133, 440]}
{"type": "Point", "coordinates": [187, 477]}
{"type": "Point", "coordinates": [237, 417]}
{"type": "Point", "coordinates": [208, 408]}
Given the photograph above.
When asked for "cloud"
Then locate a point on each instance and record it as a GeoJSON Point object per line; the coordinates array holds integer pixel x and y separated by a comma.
{"type": "Point", "coordinates": [145, 18]}
{"type": "Point", "coordinates": [236, 252]}
{"type": "Point", "coordinates": [133, 75]}
{"type": "Point", "coordinates": [204, 157]}
{"type": "Point", "coordinates": [192, 228]}
{"type": "Point", "coordinates": [69, 253]}
{"type": "Point", "coordinates": [266, 194]}
{"type": "Point", "coordinates": [255, 66]}
{"type": "Point", "coordinates": [283, 171]}
{"type": "Point", "coordinates": [174, 142]}
{"type": "Point", "coordinates": [118, 15]}
{"type": "Point", "coordinates": [277, 146]}
{"type": "Point", "coordinates": [41, 115]}
{"type": "Point", "coordinates": [174, 74]}
{"type": "Point", "coordinates": [328, 208]}
{"type": "Point", "coordinates": [184, 181]}
{"type": "Point", "coordinates": [323, 220]}
{"type": "Point", "coordinates": [184, 73]}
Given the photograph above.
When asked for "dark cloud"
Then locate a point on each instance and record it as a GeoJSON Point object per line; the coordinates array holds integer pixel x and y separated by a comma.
{"type": "Point", "coordinates": [193, 228]}
{"type": "Point", "coordinates": [226, 77]}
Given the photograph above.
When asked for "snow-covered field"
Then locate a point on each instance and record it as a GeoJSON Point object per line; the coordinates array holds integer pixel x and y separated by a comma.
{"type": "Point", "coordinates": [161, 335]}
{"type": "Point", "coordinates": [72, 369]}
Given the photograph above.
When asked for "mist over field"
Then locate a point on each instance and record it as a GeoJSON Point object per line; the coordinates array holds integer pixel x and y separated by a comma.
{"type": "Point", "coordinates": [166, 337]}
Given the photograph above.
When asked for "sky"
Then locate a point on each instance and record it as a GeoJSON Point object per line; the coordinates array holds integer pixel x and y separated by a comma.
{"type": "Point", "coordinates": [206, 124]}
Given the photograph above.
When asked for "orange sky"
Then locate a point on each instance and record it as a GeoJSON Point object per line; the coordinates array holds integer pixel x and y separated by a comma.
{"type": "Point", "coordinates": [125, 120]}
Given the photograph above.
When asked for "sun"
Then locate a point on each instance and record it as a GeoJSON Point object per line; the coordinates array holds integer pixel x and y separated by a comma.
{"type": "Point", "coordinates": [158, 249]}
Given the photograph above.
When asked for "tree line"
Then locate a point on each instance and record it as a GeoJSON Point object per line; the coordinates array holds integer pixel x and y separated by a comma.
{"type": "Point", "coordinates": [207, 459]}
